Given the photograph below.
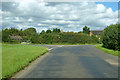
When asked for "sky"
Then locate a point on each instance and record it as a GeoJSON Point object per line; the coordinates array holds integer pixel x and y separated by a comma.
{"type": "Point", "coordinates": [68, 16]}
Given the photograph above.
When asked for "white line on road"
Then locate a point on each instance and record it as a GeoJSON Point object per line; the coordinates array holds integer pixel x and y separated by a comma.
{"type": "Point", "coordinates": [60, 46]}
{"type": "Point", "coordinates": [50, 49]}
{"type": "Point", "coordinates": [111, 62]}
{"type": "Point", "coordinates": [54, 47]}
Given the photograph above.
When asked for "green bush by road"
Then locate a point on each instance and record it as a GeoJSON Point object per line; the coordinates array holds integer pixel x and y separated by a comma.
{"type": "Point", "coordinates": [16, 57]}
{"type": "Point", "coordinates": [109, 51]}
{"type": "Point", "coordinates": [111, 37]}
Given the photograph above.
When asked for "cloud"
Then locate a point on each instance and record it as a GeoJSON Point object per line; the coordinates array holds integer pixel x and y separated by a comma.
{"type": "Point", "coordinates": [100, 8]}
{"type": "Point", "coordinates": [30, 20]}
{"type": "Point", "coordinates": [17, 19]}
{"type": "Point", "coordinates": [69, 16]}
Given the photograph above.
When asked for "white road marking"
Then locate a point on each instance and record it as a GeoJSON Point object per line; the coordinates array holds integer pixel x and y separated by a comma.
{"type": "Point", "coordinates": [54, 47]}
{"type": "Point", "coordinates": [50, 49]}
{"type": "Point", "coordinates": [111, 62]}
{"type": "Point", "coordinates": [60, 46]}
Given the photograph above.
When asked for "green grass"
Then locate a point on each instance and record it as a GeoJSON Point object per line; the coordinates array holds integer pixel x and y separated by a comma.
{"type": "Point", "coordinates": [109, 51]}
{"type": "Point", "coordinates": [16, 57]}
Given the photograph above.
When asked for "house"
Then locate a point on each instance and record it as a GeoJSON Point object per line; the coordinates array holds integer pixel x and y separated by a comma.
{"type": "Point", "coordinates": [61, 31]}
{"type": "Point", "coordinates": [17, 38]}
{"type": "Point", "coordinates": [95, 32]}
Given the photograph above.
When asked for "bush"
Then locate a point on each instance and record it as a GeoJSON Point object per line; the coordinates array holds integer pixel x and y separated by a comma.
{"type": "Point", "coordinates": [94, 39]}
{"type": "Point", "coordinates": [110, 37]}
{"type": "Point", "coordinates": [68, 37]}
{"type": "Point", "coordinates": [5, 37]}
{"type": "Point", "coordinates": [46, 38]}
{"type": "Point", "coordinates": [35, 39]}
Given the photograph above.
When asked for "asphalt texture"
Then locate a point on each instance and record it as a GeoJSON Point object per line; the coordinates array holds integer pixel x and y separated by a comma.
{"type": "Point", "coordinates": [72, 61]}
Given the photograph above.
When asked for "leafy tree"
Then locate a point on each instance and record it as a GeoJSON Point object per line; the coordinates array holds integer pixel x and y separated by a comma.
{"type": "Point", "coordinates": [43, 32]}
{"type": "Point", "coordinates": [48, 31]}
{"type": "Point", "coordinates": [80, 32]}
{"type": "Point", "coordinates": [30, 32]}
{"type": "Point", "coordinates": [86, 30]}
{"type": "Point", "coordinates": [21, 33]}
{"type": "Point", "coordinates": [0, 36]}
{"type": "Point", "coordinates": [56, 38]}
{"type": "Point", "coordinates": [47, 38]}
{"type": "Point", "coordinates": [35, 39]}
{"type": "Point", "coordinates": [111, 37]}
{"type": "Point", "coordinates": [119, 36]}
{"type": "Point", "coordinates": [13, 31]}
{"type": "Point", "coordinates": [5, 37]}
{"type": "Point", "coordinates": [56, 30]}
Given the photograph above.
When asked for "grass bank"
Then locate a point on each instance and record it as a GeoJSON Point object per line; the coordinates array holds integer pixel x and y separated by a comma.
{"type": "Point", "coordinates": [109, 51]}
{"type": "Point", "coordinates": [16, 57]}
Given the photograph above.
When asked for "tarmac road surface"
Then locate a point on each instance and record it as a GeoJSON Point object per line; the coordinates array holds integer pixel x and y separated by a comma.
{"type": "Point", "coordinates": [72, 61]}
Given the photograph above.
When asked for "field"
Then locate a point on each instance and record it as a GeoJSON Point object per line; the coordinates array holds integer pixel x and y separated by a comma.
{"type": "Point", "coordinates": [16, 57]}
{"type": "Point", "coordinates": [109, 51]}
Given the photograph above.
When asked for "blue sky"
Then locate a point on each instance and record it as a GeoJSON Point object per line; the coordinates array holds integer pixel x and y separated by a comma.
{"type": "Point", "coordinates": [113, 5]}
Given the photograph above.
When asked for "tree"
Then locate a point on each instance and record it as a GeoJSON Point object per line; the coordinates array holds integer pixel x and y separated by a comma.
{"type": "Point", "coordinates": [46, 38]}
{"type": "Point", "coordinates": [0, 36]}
{"type": "Point", "coordinates": [13, 31]}
{"type": "Point", "coordinates": [48, 31]}
{"type": "Point", "coordinates": [30, 31]}
{"type": "Point", "coordinates": [80, 32]}
{"type": "Point", "coordinates": [43, 32]}
{"type": "Point", "coordinates": [111, 37]}
{"type": "Point", "coordinates": [86, 30]}
{"type": "Point", "coordinates": [5, 36]}
{"type": "Point", "coordinates": [35, 39]}
{"type": "Point", "coordinates": [21, 32]}
{"type": "Point", "coordinates": [56, 30]}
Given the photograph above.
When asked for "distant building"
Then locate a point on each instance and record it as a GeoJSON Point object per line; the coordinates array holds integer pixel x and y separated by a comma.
{"type": "Point", "coordinates": [17, 38]}
{"type": "Point", "coordinates": [95, 32]}
{"type": "Point", "coordinates": [61, 31]}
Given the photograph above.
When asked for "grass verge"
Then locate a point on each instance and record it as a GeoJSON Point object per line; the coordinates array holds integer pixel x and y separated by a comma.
{"type": "Point", "coordinates": [16, 57]}
{"type": "Point", "coordinates": [109, 51]}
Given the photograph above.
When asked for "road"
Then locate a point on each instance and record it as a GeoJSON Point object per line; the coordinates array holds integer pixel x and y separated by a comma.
{"type": "Point", "coordinates": [72, 61]}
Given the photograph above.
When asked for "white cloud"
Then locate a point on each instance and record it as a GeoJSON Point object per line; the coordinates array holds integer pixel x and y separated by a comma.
{"type": "Point", "coordinates": [68, 16]}
{"type": "Point", "coordinates": [17, 19]}
{"type": "Point", "coordinates": [40, 24]}
{"type": "Point", "coordinates": [30, 20]}
{"type": "Point", "coordinates": [100, 8]}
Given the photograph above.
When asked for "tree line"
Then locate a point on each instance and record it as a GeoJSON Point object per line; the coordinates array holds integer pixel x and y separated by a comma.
{"type": "Point", "coordinates": [49, 36]}
{"type": "Point", "coordinates": [110, 37]}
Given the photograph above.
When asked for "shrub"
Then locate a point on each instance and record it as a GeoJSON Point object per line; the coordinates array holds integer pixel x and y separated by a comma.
{"type": "Point", "coordinates": [35, 39]}
{"type": "Point", "coordinates": [110, 37]}
{"type": "Point", "coordinates": [5, 37]}
{"type": "Point", "coordinates": [46, 38]}
{"type": "Point", "coordinates": [94, 39]}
